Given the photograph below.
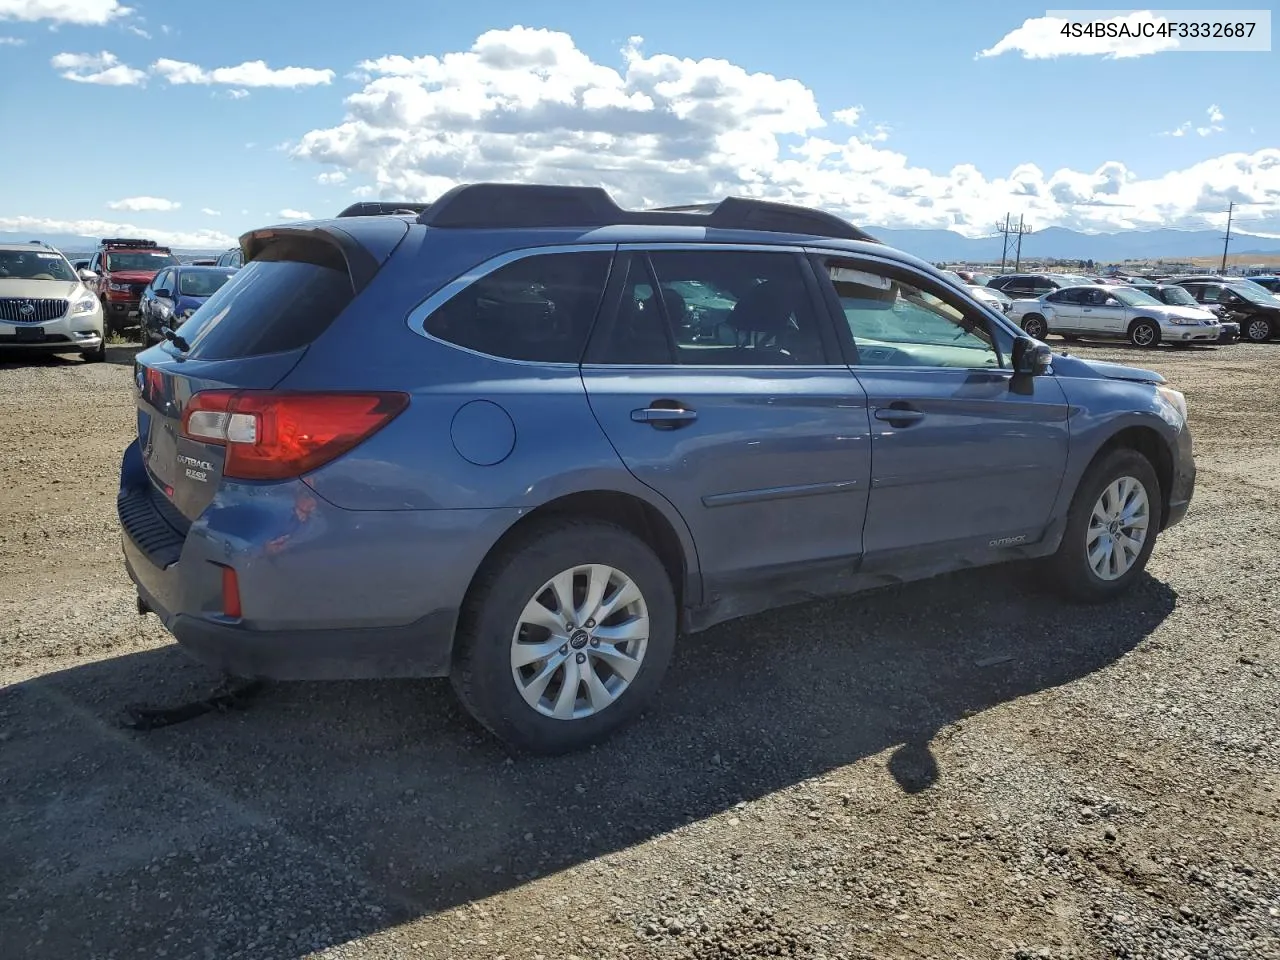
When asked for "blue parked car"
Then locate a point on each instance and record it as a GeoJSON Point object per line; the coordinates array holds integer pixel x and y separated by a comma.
{"type": "Point", "coordinates": [526, 439]}
{"type": "Point", "coordinates": [175, 294]}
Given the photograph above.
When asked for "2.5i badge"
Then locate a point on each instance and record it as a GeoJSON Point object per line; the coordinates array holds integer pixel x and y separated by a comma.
{"type": "Point", "coordinates": [196, 469]}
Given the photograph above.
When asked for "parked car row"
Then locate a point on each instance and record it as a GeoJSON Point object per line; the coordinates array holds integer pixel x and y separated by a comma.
{"type": "Point", "coordinates": [1179, 310]}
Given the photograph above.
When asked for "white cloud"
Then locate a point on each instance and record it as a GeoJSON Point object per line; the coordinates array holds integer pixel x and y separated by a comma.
{"type": "Point", "coordinates": [254, 73]}
{"type": "Point", "coordinates": [102, 68]}
{"type": "Point", "coordinates": [11, 41]}
{"type": "Point", "coordinates": [1215, 115]}
{"type": "Point", "coordinates": [138, 31]}
{"type": "Point", "coordinates": [289, 214]}
{"type": "Point", "coordinates": [1041, 38]}
{"type": "Point", "coordinates": [525, 104]}
{"type": "Point", "coordinates": [199, 239]}
{"type": "Point", "coordinates": [210, 212]}
{"type": "Point", "coordinates": [237, 93]}
{"type": "Point", "coordinates": [333, 178]}
{"type": "Point", "coordinates": [144, 204]}
{"type": "Point", "coordinates": [848, 116]}
{"type": "Point", "coordinates": [87, 12]}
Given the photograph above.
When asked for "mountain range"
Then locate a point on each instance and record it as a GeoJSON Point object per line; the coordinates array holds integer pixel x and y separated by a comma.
{"type": "Point", "coordinates": [949, 246]}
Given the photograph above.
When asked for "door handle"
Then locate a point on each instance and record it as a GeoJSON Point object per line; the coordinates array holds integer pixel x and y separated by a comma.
{"type": "Point", "coordinates": [899, 416]}
{"type": "Point", "coordinates": [1087, 310]}
{"type": "Point", "coordinates": [665, 418]}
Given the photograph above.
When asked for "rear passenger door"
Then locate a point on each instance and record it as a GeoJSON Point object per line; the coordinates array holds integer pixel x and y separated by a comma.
{"type": "Point", "coordinates": [966, 458]}
{"type": "Point", "coordinates": [716, 375]}
{"type": "Point", "coordinates": [1066, 311]}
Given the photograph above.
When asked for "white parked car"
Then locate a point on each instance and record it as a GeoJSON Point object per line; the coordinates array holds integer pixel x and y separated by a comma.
{"type": "Point", "coordinates": [1114, 313]}
{"type": "Point", "coordinates": [990, 296]}
{"type": "Point", "coordinates": [45, 305]}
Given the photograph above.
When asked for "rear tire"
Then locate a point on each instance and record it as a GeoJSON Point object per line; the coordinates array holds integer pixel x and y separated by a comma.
{"type": "Point", "coordinates": [1035, 326]}
{"type": "Point", "coordinates": [1145, 334]}
{"type": "Point", "coordinates": [497, 628]}
{"type": "Point", "coordinates": [1071, 570]}
{"type": "Point", "coordinates": [1257, 330]}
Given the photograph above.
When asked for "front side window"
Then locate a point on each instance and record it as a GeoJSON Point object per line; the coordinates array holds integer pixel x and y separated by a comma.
{"type": "Point", "coordinates": [897, 323]}
{"type": "Point", "coordinates": [539, 308]}
{"type": "Point", "coordinates": [718, 308]}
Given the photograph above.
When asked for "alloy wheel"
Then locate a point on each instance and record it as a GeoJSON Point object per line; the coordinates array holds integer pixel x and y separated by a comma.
{"type": "Point", "coordinates": [1118, 528]}
{"type": "Point", "coordinates": [580, 641]}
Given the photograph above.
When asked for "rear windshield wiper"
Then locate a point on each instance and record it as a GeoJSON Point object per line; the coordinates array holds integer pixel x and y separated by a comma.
{"type": "Point", "coordinates": [173, 337]}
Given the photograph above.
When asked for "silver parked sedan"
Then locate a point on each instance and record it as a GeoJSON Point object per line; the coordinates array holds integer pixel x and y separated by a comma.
{"type": "Point", "coordinates": [1115, 313]}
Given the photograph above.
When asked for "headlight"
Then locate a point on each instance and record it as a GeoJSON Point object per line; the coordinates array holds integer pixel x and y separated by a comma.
{"type": "Point", "coordinates": [1183, 321]}
{"type": "Point", "coordinates": [86, 305]}
{"type": "Point", "coordinates": [1176, 401]}
{"type": "Point", "coordinates": [118, 287]}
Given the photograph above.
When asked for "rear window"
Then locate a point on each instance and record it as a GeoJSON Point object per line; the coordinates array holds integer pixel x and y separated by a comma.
{"type": "Point", "coordinates": [283, 299]}
{"type": "Point", "coordinates": [539, 308]}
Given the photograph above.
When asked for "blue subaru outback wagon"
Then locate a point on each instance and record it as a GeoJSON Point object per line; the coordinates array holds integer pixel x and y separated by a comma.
{"type": "Point", "coordinates": [525, 438]}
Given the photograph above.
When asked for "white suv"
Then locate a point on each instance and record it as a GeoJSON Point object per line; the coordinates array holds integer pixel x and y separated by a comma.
{"type": "Point", "coordinates": [44, 304]}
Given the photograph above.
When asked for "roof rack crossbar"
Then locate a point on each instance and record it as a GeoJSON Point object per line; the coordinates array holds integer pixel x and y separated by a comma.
{"type": "Point", "coordinates": [127, 242]}
{"type": "Point", "coordinates": [481, 205]}
{"type": "Point", "coordinates": [377, 208]}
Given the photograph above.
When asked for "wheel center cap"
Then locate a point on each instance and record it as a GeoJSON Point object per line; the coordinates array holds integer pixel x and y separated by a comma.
{"type": "Point", "coordinates": [1113, 527]}
{"type": "Point", "coordinates": [579, 639]}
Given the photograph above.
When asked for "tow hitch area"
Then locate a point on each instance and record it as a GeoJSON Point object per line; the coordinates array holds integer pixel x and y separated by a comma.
{"type": "Point", "coordinates": [233, 693]}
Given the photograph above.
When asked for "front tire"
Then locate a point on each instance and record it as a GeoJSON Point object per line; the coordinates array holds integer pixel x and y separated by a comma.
{"type": "Point", "coordinates": [1035, 326]}
{"type": "Point", "coordinates": [98, 354]}
{"type": "Point", "coordinates": [1112, 525]}
{"type": "Point", "coordinates": [565, 636]}
{"type": "Point", "coordinates": [1145, 334]}
{"type": "Point", "coordinates": [1257, 330]}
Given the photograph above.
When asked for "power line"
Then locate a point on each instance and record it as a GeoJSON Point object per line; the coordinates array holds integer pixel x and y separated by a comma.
{"type": "Point", "coordinates": [1009, 232]}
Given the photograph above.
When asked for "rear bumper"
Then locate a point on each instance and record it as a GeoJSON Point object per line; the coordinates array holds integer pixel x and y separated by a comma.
{"type": "Point", "coordinates": [325, 593]}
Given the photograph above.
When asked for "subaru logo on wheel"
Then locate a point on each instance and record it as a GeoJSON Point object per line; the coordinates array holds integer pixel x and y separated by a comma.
{"type": "Point", "coordinates": [26, 309]}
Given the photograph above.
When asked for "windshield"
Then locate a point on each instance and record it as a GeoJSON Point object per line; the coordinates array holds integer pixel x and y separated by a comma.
{"type": "Point", "coordinates": [1133, 298]}
{"type": "Point", "coordinates": [202, 283]}
{"type": "Point", "coordinates": [1178, 297]}
{"type": "Point", "coordinates": [148, 261]}
{"type": "Point", "coordinates": [34, 265]}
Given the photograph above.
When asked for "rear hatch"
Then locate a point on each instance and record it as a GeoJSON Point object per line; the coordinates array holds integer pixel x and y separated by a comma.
{"type": "Point", "coordinates": [244, 339]}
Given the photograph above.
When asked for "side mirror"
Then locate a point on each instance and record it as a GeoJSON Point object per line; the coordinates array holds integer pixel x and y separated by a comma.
{"type": "Point", "coordinates": [87, 275]}
{"type": "Point", "coordinates": [163, 293]}
{"type": "Point", "coordinates": [1111, 302]}
{"type": "Point", "coordinates": [1031, 358]}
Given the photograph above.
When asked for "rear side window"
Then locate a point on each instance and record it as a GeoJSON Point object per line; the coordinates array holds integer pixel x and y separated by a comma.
{"type": "Point", "coordinates": [539, 308]}
{"type": "Point", "coordinates": [283, 299]}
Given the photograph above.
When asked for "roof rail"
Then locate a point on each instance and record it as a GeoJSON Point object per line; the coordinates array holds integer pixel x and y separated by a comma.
{"type": "Point", "coordinates": [479, 205]}
{"type": "Point", "coordinates": [376, 208]}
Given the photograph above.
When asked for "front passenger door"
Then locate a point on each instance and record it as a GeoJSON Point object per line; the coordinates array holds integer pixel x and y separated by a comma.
{"type": "Point", "coordinates": [715, 375]}
{"type": "Point", "coordinates": [965, 456]}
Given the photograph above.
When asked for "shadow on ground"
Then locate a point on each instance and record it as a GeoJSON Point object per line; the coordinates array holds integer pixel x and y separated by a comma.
{"type": "Point", "coordinates": [118, 353]}
{"type": "Point", "coordinates": [329, 811]}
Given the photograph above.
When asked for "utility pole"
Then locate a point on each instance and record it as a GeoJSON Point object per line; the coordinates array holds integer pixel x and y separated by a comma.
{"type": "Point", "coordinates": [1227, 239]}
{"type": "Point", "coordinates": [1009, 231]}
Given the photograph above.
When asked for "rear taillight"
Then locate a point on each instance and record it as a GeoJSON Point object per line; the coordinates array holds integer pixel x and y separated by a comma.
{"type": "Point", "coordinates": [276, 436]}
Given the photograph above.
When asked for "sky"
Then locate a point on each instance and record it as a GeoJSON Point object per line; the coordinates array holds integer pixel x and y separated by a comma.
{"type": "Point", "coordinates": [193, 122]}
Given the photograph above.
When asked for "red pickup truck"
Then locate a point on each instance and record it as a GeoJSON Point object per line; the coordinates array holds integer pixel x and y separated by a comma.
{"type": "Point", "coordinates": [124, 267]}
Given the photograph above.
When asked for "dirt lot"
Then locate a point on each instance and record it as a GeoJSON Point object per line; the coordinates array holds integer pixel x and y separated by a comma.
{"type": "Point", "coordinates": [962, 768]}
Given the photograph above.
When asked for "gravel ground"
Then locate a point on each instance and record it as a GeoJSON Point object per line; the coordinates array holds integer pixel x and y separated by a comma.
{"type": "Point", "coordinates": [960, 768]}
